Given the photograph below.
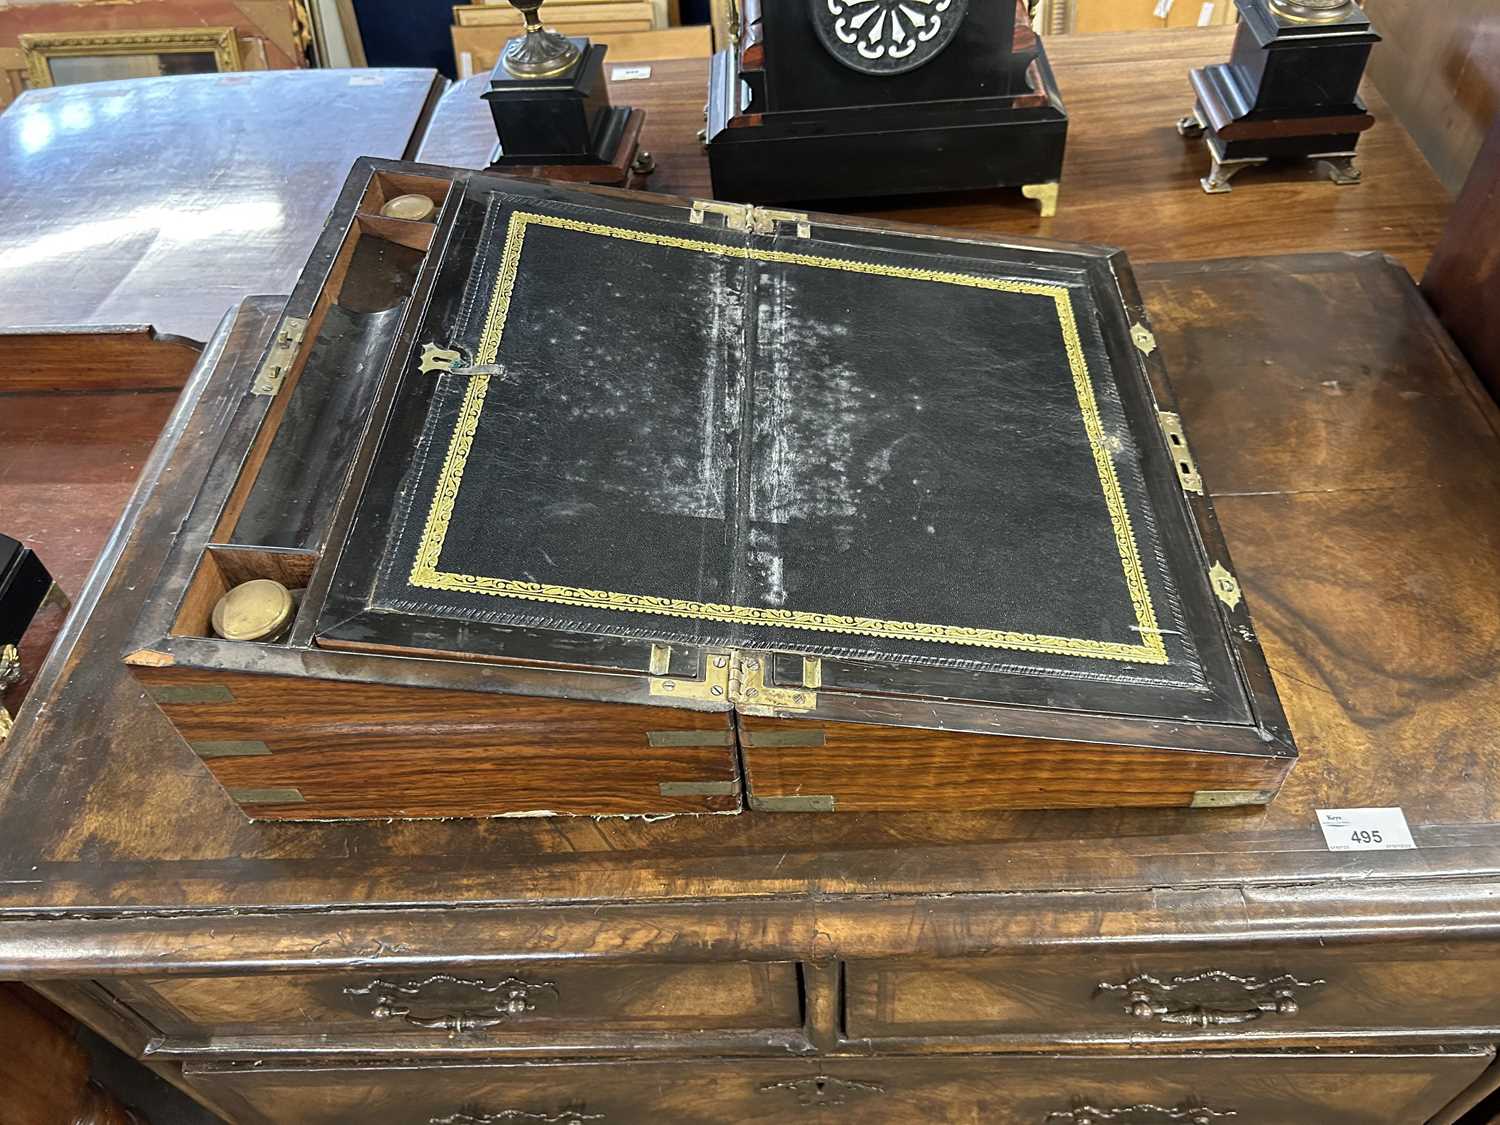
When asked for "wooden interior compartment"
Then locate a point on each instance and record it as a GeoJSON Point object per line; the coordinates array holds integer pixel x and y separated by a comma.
{"type": "Point", "coordinates": [221, 568]}
{"type": "Point", "coordinates": [527, 1007]}
{"type": "Point", "coordinates": [385, 186]}
{"type": "Point", "coordinates": [405, 232]}
{"type": "Point", "coordinates": [360, 280]}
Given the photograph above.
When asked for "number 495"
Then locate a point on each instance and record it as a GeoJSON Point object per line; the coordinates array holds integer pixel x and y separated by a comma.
{"type": "Point", "coordinates": [1366, 836]}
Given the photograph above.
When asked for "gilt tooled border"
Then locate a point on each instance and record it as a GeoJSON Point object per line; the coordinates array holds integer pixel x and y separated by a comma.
{"type": "Point", "coordinates": [426, 574]}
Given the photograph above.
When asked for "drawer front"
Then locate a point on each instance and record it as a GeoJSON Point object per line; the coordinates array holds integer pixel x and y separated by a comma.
{"type": "Point", "coordinates": [1189, 994]}
{"type": "Point", "coordinates": [1389, 1088]}
{"type": "Point", "coordinates": [533, 1004]}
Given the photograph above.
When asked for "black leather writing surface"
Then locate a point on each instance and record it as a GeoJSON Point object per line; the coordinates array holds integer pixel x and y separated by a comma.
{"type": "Point", "coordinates": [671, 430]}
{"type": "Point", "coordinates": [933, 448]}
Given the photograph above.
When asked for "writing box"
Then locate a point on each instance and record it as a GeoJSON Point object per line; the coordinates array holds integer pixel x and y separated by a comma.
{"type": "Point", "coordinates": [609, 503]}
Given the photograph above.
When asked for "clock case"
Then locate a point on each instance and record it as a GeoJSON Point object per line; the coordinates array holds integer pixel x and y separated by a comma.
{"type": "Point", "coordinates": [657, 668]}
{"type": "Point", "coordinates": [1290, 90]}
{"type": "Point", "coordinates": [789, 122]}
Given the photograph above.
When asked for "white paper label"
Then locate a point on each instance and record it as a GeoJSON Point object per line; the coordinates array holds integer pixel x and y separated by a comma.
{"type": "Point", "coordinates": [1206, 14]}
{"type": "Point", "coordinates": [629, 73]}
{"type": "Point", "coordinates": [1163, 9]}
{"type": "Point", "coordinates": [1365, 830]}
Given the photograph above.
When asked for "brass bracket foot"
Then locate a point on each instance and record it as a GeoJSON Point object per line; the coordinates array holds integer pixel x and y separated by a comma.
{"type": "Point", "coordinates": [1338, 166]}
{"type": "Point", "coordinates": [1221, 171]}
{"type": "Point", "coordinates": [1045, 195]}
{"type": "Point", "coordinates": [1190, 126]}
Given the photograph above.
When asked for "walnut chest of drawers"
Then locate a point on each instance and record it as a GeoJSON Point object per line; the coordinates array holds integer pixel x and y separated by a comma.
{"type": "Point", "coordinates": [1047, 968]}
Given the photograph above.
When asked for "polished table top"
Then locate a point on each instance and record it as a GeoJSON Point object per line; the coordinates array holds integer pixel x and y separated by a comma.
{"type": "Point", "coordinates": [1128, 180]}
{"type": "Point", "coordinates": [164, 201]}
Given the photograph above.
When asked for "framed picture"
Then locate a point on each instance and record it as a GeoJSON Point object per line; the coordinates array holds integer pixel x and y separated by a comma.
{"type": "Point", "coordinates": [65, 58]}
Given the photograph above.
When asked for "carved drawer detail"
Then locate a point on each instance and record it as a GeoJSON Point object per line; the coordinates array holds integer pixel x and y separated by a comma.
{"type": "Point", "coordinates": [1212, 998]}
{"type": "Point", "coordinates": [1141, 1113]}
{"type": "Point", "coordinates": [1389, 989]}
{"type": "Point", "coordinates": [501, 1001]}
{"type": "Point", "coordinates": [1146, 1087]}
{"type": "Point", "coordinates": [732, 1007]}
{"type": "Point", "coordinates": [499, 1116]}
{"type": "Point", "coordinates": [821, 1091]}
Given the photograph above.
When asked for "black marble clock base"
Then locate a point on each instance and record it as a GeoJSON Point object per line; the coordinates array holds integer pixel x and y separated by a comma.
{"type": "Point", "coordinates": [562, 126]}
{"type": "Point", "coordinates": [1290, 90]}
{"type": "Point", "coordinates": [1014, 140]}
{"type": "Point", "coordinates": [615, 160]}
{"type": "Point", "coordinates": [1333, 153]}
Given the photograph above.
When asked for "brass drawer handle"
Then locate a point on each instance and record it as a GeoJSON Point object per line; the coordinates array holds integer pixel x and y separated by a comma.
{"type": "Point", "coordinates": [1144, 1113]}
{"type": "Point", "coordinates": [506, 1001]}
{"type": "Point", "coordinates": [478, 1117]}
{"type": "Point", "coordinates": [1150, 998]}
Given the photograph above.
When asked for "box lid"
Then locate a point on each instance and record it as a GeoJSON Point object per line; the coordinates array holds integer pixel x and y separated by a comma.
{"type": "Point", "coordinates": [641, 433]}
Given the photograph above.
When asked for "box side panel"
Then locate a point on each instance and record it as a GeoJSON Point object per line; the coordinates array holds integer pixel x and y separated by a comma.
{"type": "Point", "coordinates": [807, 765]}
{"type": "Point", "coordinates": [306, 749]}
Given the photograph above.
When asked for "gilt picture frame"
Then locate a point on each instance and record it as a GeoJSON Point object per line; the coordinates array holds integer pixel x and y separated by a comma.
{"type": "Point", "coordinates": [41, 49]}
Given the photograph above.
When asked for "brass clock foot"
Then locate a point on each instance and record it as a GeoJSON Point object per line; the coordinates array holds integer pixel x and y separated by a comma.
{"type": "Point", "coordinates": [1221, 171]}
{"type": "Point", "coordinates": [1190, 126]}
{"type": "Point", "coordinates": [1045, 195]}
{"type": "Point", "coordinates": [1338, 166]}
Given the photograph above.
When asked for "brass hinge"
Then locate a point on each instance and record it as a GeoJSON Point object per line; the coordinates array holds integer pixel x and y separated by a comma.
{"type": "Point", "coordinates": [738, 679]}
{"type": "Point", "coordinates": [1226, 586]}
{"type": "Point", "coordinates": [763, 220]}
{"type": "Point", "coordinates": [712, 688]}
{"type": "Point", "coordinates": [744, 217]}
{"type": "Point", "coordinates": [736, 216]}
{"type": "Point", "coordinates": [1142, 338]}
{"type": "Point", "coordinates": [1182, 456]}
{"type": "Point", "coordinates": [280, 357]}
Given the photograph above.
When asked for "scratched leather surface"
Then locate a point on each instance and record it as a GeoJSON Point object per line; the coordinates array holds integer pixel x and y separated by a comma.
{"type": "Point", "coordinates": [718, 431]}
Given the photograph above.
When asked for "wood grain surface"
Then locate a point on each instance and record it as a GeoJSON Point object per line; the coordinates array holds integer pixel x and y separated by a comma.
{"type": "Point", "coordinates": [1371, 573]}
{"type": "Point", "coordinates": [1128, 179]}
{"type": "Point", "coordinates": [864, 767]}
{"type": "Point", "coordinates": [354, 750]}
{"type": "Point", "coordinates": [1364, 1088]}
{"type": "Point", "coordinates": [1463, 278]}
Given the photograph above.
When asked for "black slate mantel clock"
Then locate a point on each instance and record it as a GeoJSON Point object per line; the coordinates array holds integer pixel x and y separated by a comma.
{"type": "Point", "coordinates": [834, 99]}
{"type": "Point", "coordinates": [1290, 90]}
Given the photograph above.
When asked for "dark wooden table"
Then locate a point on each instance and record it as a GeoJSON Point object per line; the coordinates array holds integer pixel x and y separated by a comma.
{"type": "Point", "coordinates": [1129, 180]}
{"type": "Point", "coordinates": [164, 201]}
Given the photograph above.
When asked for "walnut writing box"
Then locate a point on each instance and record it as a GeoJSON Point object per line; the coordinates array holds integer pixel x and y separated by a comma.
{"type": "Point", "coordinates": [609, 503]}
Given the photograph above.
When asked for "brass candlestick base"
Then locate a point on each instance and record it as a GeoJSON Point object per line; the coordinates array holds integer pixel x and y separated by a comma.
{"type": "Point", "coordinates": [541, 52]}
{"type": "Point", "coordinates": [1312, 11]}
